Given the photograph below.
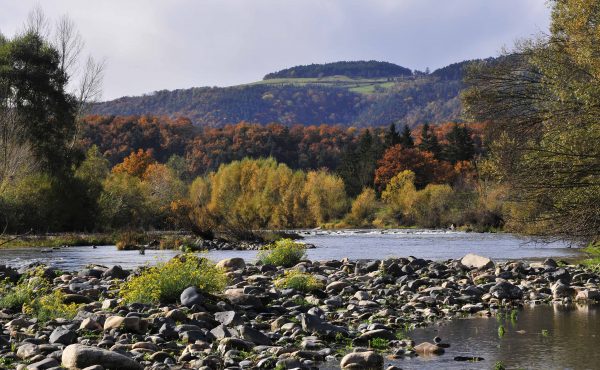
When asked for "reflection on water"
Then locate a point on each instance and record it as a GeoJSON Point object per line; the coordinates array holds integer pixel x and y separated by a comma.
{"type": "Point", "coordinates": [541, 337]}
{"type": "Point", "coordinates": [357, 244]}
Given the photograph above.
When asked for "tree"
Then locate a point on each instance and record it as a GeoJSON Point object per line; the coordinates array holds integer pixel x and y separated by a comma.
{"type": "Point", "coordinates": [429, 141]}
{"type": "Point", "coordinates": [392, 136]}
{"type": "Point", "coordinates": [426, 168]}
{"type": "Point", "coordinates": [543, 99]}
{"type": "Point", "coordinates": [364, 207]}
{"type": "Point", "coordinates": [136, 163]}
{"type": "Point", "coordinates": [460, 145]}
{"type": "Point", "coordinates": [406, 139]}
{"type": "Point", "coordinates": [359, 163]}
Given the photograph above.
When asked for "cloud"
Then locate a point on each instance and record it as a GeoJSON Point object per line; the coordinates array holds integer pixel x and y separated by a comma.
{"type": "Point", "coordinates": [152, 45]}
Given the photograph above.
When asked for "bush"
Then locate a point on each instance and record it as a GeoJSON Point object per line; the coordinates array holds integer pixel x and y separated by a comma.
{"type": "Point", "coordinates": [15, 296]}
{"type": "Point", "coordinates": [165, 282]}
{"type": "Point", "coordinates": [50, 306]}
{"type": "Point", "coordinates": [363, 209]}
{"type": "Point", "coordinates": [300, 281]}
{"type": "Point", "coordinates": [284, 252]}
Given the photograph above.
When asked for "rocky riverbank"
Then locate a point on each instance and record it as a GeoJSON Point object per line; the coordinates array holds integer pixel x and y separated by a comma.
{"type": "Point", "coordinates": [359, 319]}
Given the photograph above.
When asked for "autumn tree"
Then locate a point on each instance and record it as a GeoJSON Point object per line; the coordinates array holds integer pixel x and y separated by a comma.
{"type": "Point", "coordinates": [136, 163]}
{"type": "Point", "coordinates": [543, 100]}
{"type": "Point", "coordinates": [429, 141]}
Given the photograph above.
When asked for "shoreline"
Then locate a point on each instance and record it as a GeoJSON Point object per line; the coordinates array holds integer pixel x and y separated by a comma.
{"type": "Point", "coordinates": [361, 312]}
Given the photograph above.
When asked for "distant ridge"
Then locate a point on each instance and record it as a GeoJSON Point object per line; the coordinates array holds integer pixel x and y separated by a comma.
{"type": "Point", "coordinates": [352, 69]}
{"type": "Point", "coordinates": [360, 93]}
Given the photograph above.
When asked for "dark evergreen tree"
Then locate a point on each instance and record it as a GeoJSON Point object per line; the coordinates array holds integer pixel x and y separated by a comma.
{"type": "Point", "coordinates": [460, 144]}
{"type": "Point", "coordinates": [392, 137]}
{"type": "Point", "coordinates": [406, 139]}
{"type": "Point", "coordinates": [359, 163]}
{"type": "Point", "coordinates": [429, 141]}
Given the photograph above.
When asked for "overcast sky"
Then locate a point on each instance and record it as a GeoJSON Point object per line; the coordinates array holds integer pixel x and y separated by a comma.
{"type": "Point", "coordinates": [152, 45]}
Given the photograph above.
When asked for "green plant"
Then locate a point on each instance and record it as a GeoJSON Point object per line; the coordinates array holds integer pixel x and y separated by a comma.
{"type": "Point", "coordinates": [501, 331]}
{"type": "Point", "coordinates": [166, 281]}
{"type": "Point", "coordinates": [284, 252]}
{"type": "Point", "coordinates": [300, 281]}
{"type": "Point", "coordinates": [379, 344]}
{"type": "Point", "coordinates": [545, 333]}
{"type": "Point", "coordinates": [499, 365]}
{"type": "Point", "coordinates": [50, 306]}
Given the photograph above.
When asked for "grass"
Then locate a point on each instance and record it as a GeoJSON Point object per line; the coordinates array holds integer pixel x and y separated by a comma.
{"type": "Point", "coordinates": [499, 365]}
{"type": "Point", "coordinates": [164, 282]}
{"type": "Point", "coordinates": [593, 252]}
{"type": "Point", "coordinates": [501, 331]}
{"type": "Point", "coordinates": [379, 344]}
{"type": "Point", "coordinates": [284, 252]}
{"type": "Point", "coordinates": [300, 281]}
{"type": "Point", "coordinates": [58, 240]}
{"type": "Point", "coordinates": [359, 85]}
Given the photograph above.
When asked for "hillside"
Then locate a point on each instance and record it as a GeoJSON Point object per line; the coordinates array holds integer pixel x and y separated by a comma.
{"type": "Point", "coordinates": [368, 100]}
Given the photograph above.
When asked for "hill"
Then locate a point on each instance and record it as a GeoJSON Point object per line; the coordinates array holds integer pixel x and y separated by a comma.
{"type": "Point", "coordinates": [359, 69]}
{"type": "Point", "coordinates": [377, 95]}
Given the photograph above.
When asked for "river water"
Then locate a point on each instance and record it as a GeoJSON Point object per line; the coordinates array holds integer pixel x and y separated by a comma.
{"type": "Point", "coordinates": [353, 244]}
{"type": "Point", "coordinates": [542, 337]}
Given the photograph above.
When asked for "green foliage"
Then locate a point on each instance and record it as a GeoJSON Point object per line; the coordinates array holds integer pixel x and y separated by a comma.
{"type": "Point", "coordinates": [164, 282]}
{"type": "Point", "coordinates": [15, 296]}
{"type": "Point", "coordinates": [300, 281]}
{"type": "Point", "coordinates": [364, 208]}
{"type": "Point", "coordinates": [51, 306]}
{"type": "Point", "coordinates": [284, 252]}
{"type": "Point", "coordinates": [379, 344]}
{"type": "Point", "coordinates": [499, 365]}
{"type": "Point", "coordinates": [501, 331]}
{"type": "Point", "coordinates": [355, 69]}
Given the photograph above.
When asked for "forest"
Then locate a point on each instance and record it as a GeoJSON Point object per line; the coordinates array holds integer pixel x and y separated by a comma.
{"type": "Point", "coordinates": [358, 69]}
{"type": "Point", "coordinates": [359, 102]}
{"type": "Point", "coordinates": [527, 160]}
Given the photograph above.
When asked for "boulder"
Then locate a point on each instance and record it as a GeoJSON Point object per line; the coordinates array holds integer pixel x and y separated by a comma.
{"type": "Point", "coordinates": [362, 360]}
{"type": "Point", "coordinates": [192, 296]}
{"type": "Point", "coordinates": [238, 297]}
{"type": "Point", "coordinates": [77, 356]}
{"type": "Point", "coordinates": [131, 324]}
{"type": "Point", "coordinates": [314, 324]}
{"type": "Point", "coordinates": [115, 272]}
{"type": "Point", "coordinates": [506, 290]}
{"type": "Point", "coordinates": [228, 317]}
{"type": "Point", "coordinates": [478, 262]}
{"type": "Point", "coordinates": [44, 364]}
{"type": "Point", "coordinates": [232, 264]}
{"type": "Point", "coordinates": [427, 348]}
{"type": "Point", "coordinates": [62, 335]}
{"type": "Point", "coordinates": [252, 335]}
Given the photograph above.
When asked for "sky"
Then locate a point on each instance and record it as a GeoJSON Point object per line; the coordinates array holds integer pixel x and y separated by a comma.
{"type": "Point", "coordinates": [151, 45]}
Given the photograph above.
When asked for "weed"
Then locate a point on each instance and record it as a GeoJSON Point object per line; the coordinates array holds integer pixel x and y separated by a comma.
{"type": "Point", "coordinates": [300, 281]}
{"type": "Point", "coordinates": [501, 331]}
{"type": "Point", "coordinates": [379, 344]}
{"type": "Point", "coordinates": [166, 281]}
{"type": "Point", "coordinates": [284, 252]}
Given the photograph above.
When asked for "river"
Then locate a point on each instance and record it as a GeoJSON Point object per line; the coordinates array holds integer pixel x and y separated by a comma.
{"type": "Point", "coordinates": [353, 244]}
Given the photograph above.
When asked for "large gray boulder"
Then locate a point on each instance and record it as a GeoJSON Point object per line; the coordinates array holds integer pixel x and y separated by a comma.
{"type": "Point", "coordinates": [191, 296]}
{"type": "Point", "coordinates": [367, 360]}
{"type": "Point", "coordinates": [478, 262]}
{"type": "Point", "coordinates": [63, 335]}
{"type": "Point", "coordinates": [77, 356]}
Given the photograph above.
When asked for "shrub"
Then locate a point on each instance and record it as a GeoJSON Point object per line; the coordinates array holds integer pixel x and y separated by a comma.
{"type": "Point", "coordinates": [165, 281]}
{"type": "Point", "coordinates": [50, 306]}
{"type": "Point", "coordinates": [363, 208]}
{"type": "Point", "coordinates": [15, 296]}
{"type": "Point", "coordinates": [300, 281]}
{"type": "Point", "coordinates": [284, 252]}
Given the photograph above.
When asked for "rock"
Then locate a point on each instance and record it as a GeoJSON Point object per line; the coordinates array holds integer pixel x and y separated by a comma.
{"type": "Point", "coordinates": [506, 290]}
{"type": "Point", "coordinates": [76, 298]}
{"type": "Point", "coordinates": [232, 264]}
{"type": "Point", "coordinates": [362, 360]}
{"type": "Point", "coordinates": [62, 335]}
{"type": "Point", "coordinates": [238, 297]}
{"type": "Point", "coordinates": [77, 356]}
{"type": "Point", "coordinates": [474, 261]}
{"type": "Point", "coordinates": [313, 324]}
{"type": "Point", "coordinates": [43, 364]}
{"type": "Point", "coordinates": [132, 323]}
{"type": "Point", "coordinates": [427, 348]}
{"type": "Point", "coordinates": [191, 296]}
{"type": "Point", "coordinates": [561, 290]}
{"type": "Point", "coordinates": [588, 294]}
{"type": "Point", "coordinates": [254, 336]}
{"type": "Point", "coordinates": [115, 272]}
{"type": "Point", "coordinates": [336, 287]}
{"type": "Point", "coordinates": [90, 324]}
{"type": "Point", "coordinates": [377, 333]}
{"type": "Point", "coordinates": [27, 350]}
{"type": "Point", "coordinates": [228, 318]}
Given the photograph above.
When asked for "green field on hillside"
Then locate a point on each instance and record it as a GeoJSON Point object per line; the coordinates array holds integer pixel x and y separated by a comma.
{"type": "Point", "coordinates": [357, 85]}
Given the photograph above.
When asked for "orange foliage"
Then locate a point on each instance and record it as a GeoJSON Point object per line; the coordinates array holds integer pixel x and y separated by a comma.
{"type": "Point", "coordinates": [427, 169]}
{"type": "Point", "coordinates": [136, 163]}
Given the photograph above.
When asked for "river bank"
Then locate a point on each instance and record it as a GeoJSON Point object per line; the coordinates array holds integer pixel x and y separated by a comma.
{"type": "Point", "coordinates": [360, 316]}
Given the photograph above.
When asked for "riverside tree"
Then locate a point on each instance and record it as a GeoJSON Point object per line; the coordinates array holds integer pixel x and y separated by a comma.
{"type": "Point", "coordinates": [544, 100]}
